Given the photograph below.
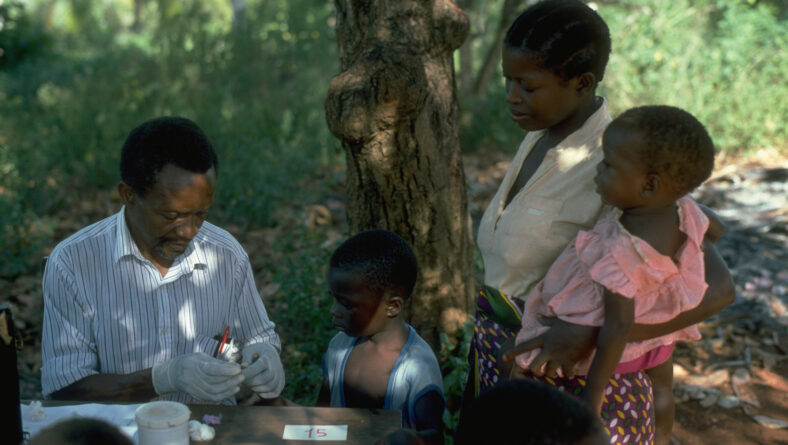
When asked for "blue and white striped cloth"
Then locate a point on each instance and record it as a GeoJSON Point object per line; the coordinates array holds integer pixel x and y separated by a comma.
{"type": "Point", "coordinates": [108, 310]}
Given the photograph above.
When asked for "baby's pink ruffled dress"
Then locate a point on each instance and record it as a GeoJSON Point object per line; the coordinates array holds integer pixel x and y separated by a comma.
{"type": "Point", "coordinates": [608, 256]}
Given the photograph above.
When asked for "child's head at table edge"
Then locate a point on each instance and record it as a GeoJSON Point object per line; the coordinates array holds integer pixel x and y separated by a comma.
{"type": "Point", "coordinates": [370, 276]}
{"type": "Point", "coordinates": [529, 412]}
{"type": "Point", "coordinates": [80, 431]}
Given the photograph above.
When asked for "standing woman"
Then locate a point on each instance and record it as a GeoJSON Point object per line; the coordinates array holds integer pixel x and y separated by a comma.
{"type": "Point", "coordinates": [554, 56]}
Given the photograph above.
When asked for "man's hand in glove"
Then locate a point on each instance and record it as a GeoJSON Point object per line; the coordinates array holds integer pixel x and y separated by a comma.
{"type": "Point", "coordinates": [199, 375]}
{"type": "Point", "coordinates": [262, 370]}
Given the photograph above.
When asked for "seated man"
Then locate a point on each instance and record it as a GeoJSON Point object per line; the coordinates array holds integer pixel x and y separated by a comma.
{"type": "Point", "coordinates": [377, 360]}
{"type": "Point", "coordinates": [133, 302]}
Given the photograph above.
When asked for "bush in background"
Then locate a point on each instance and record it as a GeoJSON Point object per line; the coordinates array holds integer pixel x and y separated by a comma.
{"type": "Point", "coordinates": [722, 60]}
{"type": "Point", "coordinates": [257, 91]}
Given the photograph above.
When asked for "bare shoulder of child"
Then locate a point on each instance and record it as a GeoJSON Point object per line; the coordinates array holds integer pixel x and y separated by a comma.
{"type": "Point", "coordinates": [369, 366]}
{"type": "Point", "coordinates": [660, 229]}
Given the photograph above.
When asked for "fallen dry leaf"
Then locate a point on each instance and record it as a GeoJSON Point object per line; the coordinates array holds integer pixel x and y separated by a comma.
{"type": "Point", "coordinates": [740, 384]}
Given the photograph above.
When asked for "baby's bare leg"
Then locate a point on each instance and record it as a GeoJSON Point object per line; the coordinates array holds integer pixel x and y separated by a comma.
{"type": "Point", "coordinates": [664, 407]}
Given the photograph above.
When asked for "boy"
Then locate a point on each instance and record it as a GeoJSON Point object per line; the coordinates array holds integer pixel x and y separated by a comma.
{"type": "Point", "coordinates": [377, 360]}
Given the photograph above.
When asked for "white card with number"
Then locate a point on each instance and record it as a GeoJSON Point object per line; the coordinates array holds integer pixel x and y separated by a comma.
{"type": "Point", "coordinates": [315, 432]}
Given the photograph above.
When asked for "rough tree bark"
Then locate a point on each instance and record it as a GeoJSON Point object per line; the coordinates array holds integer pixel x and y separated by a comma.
{"type": "Point", "coordinates": [393, 105]}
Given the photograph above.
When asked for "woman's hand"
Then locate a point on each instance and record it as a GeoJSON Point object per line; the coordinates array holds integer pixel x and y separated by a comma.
{"type": "Point", "coordinates": [562, 346]}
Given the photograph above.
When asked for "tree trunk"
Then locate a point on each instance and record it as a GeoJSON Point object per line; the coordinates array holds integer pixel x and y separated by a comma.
{"type": "Point", "coordinates": [394, 107]}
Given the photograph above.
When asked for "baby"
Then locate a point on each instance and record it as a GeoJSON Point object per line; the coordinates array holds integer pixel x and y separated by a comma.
{"type": "Point", "coordinates": [642, 262]}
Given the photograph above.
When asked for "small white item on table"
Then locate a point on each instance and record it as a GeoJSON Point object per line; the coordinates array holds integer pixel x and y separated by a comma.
{"type": "Point", "coordinates": [35, 412]}
{"type": "Point", "coordinates": [200, 431]}
{"type": "Point", "coordinates": [163, 423]}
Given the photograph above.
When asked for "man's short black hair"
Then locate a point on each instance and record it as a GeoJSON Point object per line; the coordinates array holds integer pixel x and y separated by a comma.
{"type": "Point", "coordinates": [383, 260]}
{"type": "Point", "coordinates": [161, 141]}
{"type": "Point", "coordinates": [567, 37]}
{"type": "Point", "coordinates": [526, 412]}
{"type": "Point", "coordinates": [676, 145]}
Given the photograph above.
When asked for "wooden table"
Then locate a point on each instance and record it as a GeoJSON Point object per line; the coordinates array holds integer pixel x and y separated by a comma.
{"type": "Point", "coordinates": [265, 424]}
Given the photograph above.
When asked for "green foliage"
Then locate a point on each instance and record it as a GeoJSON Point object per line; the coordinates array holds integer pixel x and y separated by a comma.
{"type": "Point", "coordinates": [302, 314]}
{"type": "Point", "coordinates": [485, 123]}
{"type": "Point", "coordinates": [21, 236]}
{"type": "Point", "coordinates": [257, 90]}
{"type": "Point", "coordinates": [454, 366]}
{"type": "Point", "coordinates": [20, 36]}
{"type": "Point", "coordinates": [722, 60]}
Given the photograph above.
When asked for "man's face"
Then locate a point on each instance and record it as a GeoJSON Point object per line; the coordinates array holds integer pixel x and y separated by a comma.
{"type": "Point", "coordinates": [165, 220]}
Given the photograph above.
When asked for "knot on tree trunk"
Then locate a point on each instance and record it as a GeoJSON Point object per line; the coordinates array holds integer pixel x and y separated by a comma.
{"type": "Point", "coordinates": [374, 94]}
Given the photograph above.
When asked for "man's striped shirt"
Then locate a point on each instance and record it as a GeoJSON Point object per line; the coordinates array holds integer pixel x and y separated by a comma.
{"type": "Point", "coordinates": [108, 310]}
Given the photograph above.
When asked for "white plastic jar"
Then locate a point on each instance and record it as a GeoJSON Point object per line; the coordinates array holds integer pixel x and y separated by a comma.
{"type": "Point", "coordinates": [163, 423]}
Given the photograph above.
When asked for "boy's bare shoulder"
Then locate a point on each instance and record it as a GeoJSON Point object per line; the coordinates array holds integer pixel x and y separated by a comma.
{"type": "Point", "coordinates": [366, 375]}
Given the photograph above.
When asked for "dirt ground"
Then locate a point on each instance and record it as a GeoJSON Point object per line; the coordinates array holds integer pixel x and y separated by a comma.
{"type": "Point", "coordinates": [731, 387]}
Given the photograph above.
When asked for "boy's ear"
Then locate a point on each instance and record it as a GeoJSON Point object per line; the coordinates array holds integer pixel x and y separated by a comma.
{"type": "Point", "coordinates": [652, 184]}
{"type": "Point", "coordinates": [586, 83]}
{"type": "Point", "coordinates": [394, 305]}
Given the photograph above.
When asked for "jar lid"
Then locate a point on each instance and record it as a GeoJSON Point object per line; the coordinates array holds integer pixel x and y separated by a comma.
{"type": "Point", "coordinates": [162, 414]}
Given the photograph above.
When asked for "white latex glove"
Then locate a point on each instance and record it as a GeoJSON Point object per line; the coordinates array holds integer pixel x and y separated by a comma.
{"type": "Point", "coordinates": [263, 372]}
{"type": "Point", "coordinates": [199, 375]}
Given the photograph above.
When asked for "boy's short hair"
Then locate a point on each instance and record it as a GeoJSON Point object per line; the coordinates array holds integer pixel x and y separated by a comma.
{"type": "Point", "coordinates": [567, 37]}
{"type": "Point", "coordinates": [161, 141]}
{"type": "Point", "coordinates": [382, 258]}
{"type": "Point", "coordinates": [526, 412]}
{"type": "Point", "coordinates": [80, 431]}
{"type": "Point", "coordinates": [677, 146]}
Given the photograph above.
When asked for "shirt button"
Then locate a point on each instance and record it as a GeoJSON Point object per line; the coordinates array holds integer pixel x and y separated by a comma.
{"type": "Point", "coordinates": [164, 331]}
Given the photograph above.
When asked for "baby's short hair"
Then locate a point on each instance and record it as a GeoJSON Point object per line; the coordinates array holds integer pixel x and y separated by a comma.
{"type": "Point", "coordinates": [676, 145]}
{"type": "Point", "coordinates": [382, 258]}
{"type": "Point", "coordinates": [526, 412]}
{"type": "Point", "coordinates": [567, 37]}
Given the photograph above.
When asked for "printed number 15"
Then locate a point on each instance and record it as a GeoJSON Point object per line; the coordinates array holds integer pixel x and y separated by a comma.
{"type": "Point", "coordinates": [318, 432]}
